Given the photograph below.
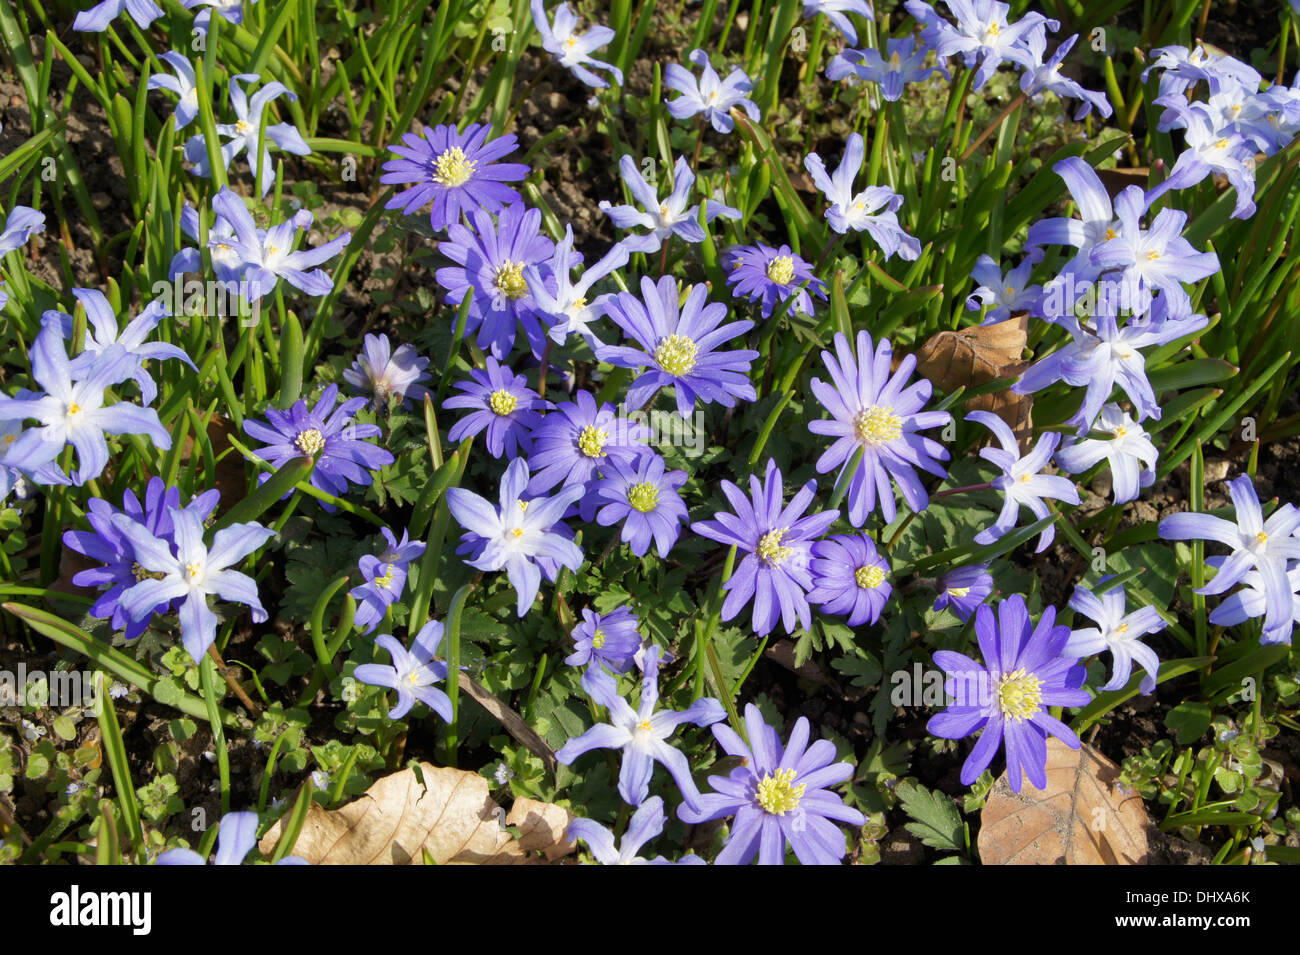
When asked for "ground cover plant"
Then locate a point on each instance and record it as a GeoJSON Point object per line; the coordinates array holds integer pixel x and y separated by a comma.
{"type": "Point", "coordinates": [688, 433]}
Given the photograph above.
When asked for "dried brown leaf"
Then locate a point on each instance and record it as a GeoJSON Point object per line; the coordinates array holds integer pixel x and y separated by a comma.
{"type": "Point", "coordinates": [970, 357]}
{"type": "Point", "coordinates": [450, 814]}
{"type": "Point", "coordinates": [1081, 818]}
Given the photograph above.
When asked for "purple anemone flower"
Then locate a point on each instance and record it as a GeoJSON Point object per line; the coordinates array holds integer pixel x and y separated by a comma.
{"type": "Point", "coordinates": [964, 589]}
{"type": "Point", "coordinates": [412, 674]}
{"type": "Point", "coordinates": [779, 795]}
{"type": "Point", "coordinates": [107, 545]}
{"type": "Point", "coordinates": [575, 442]}
{"type": "Point", "coordinates": [490, 262]}
{"type": "Point", "coordinates": [383, 373]}
{"type": "Point", "coordinates": [646, 500]}
{"type": "Point", "coordinates": [342, 456]}
{"type": "Point", "coordinates": [850, 577]}
{"type": "Point", "coordinates": [611, 639]}
{"type": "Point", "coordinates": [1025, 671]}
{"type": "Point", "coordinates": [761, 273]}
{"type": "Point", "coordinates": [642, 734]}
{"type": "Point", "coordinates": [777, 542]}
{"type": "Point", "coordinates": [457, 172]}
{"type": "Point", "coordinates": [501, 402]}
{"type": "Point", "coordinates": [679, 347]}
{"type": "Point", "coordinates": [385, 577]}
{"type": "Point", "coordinates": [874, 409]}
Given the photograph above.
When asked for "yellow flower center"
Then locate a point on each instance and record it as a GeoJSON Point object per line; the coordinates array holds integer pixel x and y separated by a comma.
{"type": "Point", "coordinates": [518, 532]}
{"type": "Point", "coordinates": [644, 726]}
{"type": "Point", "coordinates": [386, 580]}
{"type": "Point", "coordinates": [193, 569]}
{"type": "Point", "coordinates": [643, 496]}
{"type": "Point", "coordinates": [451, 168]}
{"type": "Point", "coordinates": [571, 42]}
{"type": "Point", "coordinates": [272, 249]}
{"type": "Point", "coordinates": [592, 441]}
{"type": "Point", "coordinates": [770, 548]}
{"type": "Point", "coordinates": [502, 402]}
{"type": "Point", "coordinates": [241, 126]}
{"type": "Point", "coordinates": [1152, 255]}
{"type": "Point", "coordinates": [310, 441]}
{"type": "Point", "coordinates": [958, 591]}
{"type": "Point", "coordinates": [1261, 537]}
{"type": "Point", "coordinates": [895, 61]}
{"type": "Point", "coordinates": [74, 408]}
{"type": "Point", "coordinates": [509, 280]}
{"type": "Point", "coordinates": [523, 506]}
{"type": "Point", "coordinates": [877, 425]}
{"type": "Point", "coordinates": [1019, 695]}
{"type": "Point", "coordinates": [777, 795]}
{"type": "Point", "coordinates": [781, 270]}
{"type": "Point", "coordinates": [676, 355]}
{"type": "Point", "coordinates": [598, 639]}
{"type": "Point", "coordinates": [1121, 431]}
{"type": "Point", "coordinates": [1112, 234]}
{"type": "Point", "coordinates": [1221, 144]}
{"type": "Point", "coordinates": [869, 576]}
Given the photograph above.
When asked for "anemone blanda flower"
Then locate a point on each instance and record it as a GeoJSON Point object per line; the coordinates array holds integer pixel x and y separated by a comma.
{"type": "Point", "coordinates": [964, 589]}
{"type": "Point", "coordinates": [516, 535]}
{"type": "Point", "coordinates": [1128, 451]}
{"type": "Point", "coordinates": [642, 734]}
{"type": "Point", "coordinates": [762, 273]}
{"type": "Point", "coordinates": [263, 258]}
{"type": "Point", "coordinates": [385, 577]}
{"type": "Point", "coordinates": [1119, 632]}
{"type": "Point", "coordinates": [189, 571]}
{"type": "Point", "coordinates": [906, 64]}
{"type": "Point", "coordinates": [246, 131]}
{"type": "Point", "coordinates": [861, 211]}
{"type": "Point", "coordinates": [72, 409]}
{"type": "Point", "coordinates": [413, 672]}
{"type": "Point", "coordinates": [1266, 546]}
{"type": "Point", "coordinates": [610, 639]}
{"type": "Point", "coordinates": [646, 500]}
{"type": "Point", "coordinates": [119, 569]}
{"type": "Point", "coordinates": [778, 795]}
{"type": "Point", "coordinates": [666, 217]}
{"type": "Point", "coordinates": [568, 307]}
{"type": "Point", "coordinates": [777, 543]}
{"type": "Point", "coordinates": [500, 402]}
{"type": "Point", "coordinates": [102, 334]}
{"type": "Point", "coordinates": [1020, 481]}
{"type": "Point", "coordinates": [236, 836]}
{"type": "Point", "coordinates": [578, 439]}
{"type": "Point", "coordinates": [679, 347]}
{"type": "Point", "coordinates": [342, 454]}
{"type": "Point", "coordinates": [710, 95]}
{"type": "Point", "coordinates": [571, 49]}
{"type": "Point", "coordinates": [850, 577]}
{"type": "Point", "coordinates": [456, 172]}
{"type": "Point", "coordinates": [1025, 670]}
{"type": "Point", "coordinates": [384, 373]}
{"type": "Point", "coordinates": [646, 823]}
{"type": "Point", "coordinates": [490, 262]}
{"type": "Point", "coordinates": [873, 408]}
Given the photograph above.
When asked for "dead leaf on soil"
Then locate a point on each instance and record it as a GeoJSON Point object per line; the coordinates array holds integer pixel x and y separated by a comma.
{"type": "Point", "coordinates": [974, 356]}
{"type": "Point", "coordinates": [1082, 818]}
{"type": "Point", "coordinates": [450, 814]}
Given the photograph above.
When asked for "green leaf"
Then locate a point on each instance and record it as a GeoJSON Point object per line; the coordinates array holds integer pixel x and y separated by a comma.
{"type": "Point", "coordinates": [937, 823]}
{"type": "Point", "coordinates": [1189, 721]}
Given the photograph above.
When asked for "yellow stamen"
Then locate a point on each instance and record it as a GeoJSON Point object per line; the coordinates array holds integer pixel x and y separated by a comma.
{"type": "Point", "coordinates": [509, 280]}
{"type": "Point", "coordinates": [451, 168]}
{"type": "Point", "coordinates": [1019, 694]}
{"type": "Point", "coordinates": [592, 441]}
{"type": "Point", "coordinates": [386, 581]}
{"type": "Point", "coordinates": [643, 496]}
{"type": "Point", "coordinates": [781, 270]}
{"type": "Point", "coordinates": [869, 576]}
{"type": "Point", "coordinates": [310, 441]}
{"type": "Point", "coordinates": [676, 355]}
{"type": "Point", "coordinates": [877, 425]}
{"type": "Point", "coordinates": [769, 547]}
{"type": "Point", "coordinates": [777, 795]}
{"type": "Point", "coordinates": [502, 402]}
{"type": "Point", "coordinates": [598, 639]}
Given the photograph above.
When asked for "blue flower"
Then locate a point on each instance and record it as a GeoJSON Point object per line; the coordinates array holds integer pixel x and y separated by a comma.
{"type": "Point", "coordinates": [862, 211]}
{"type": "Point", "coordinates": [982, 34]}
{"type": "Point", "coordinates": [850, 577]}
{"type": "Point", "coordinates": [568, 307]}
{"type": "Point", "coordinates": [670, 216]}
{"type": "Point", "coordinates": [710, 95]}
{"type": "Point", "coordinates": [182, 84]}
{"type": "Point", "coordinates": [837, 12]}
{"type": "Point", "coordinates": [1020, 481]}
{"type": "Point", "coordinates": [646, 500]}
{"type": "Point", "coordinates": [1129, 452]}
{"type": "Point", "coordinates": [646, 823]}
{"type": "Point", "coordinates": [906, 64]}
{"type": "Point", "coordinates": [964, 589]}
{"type": "Point", "coordinates": [383, 373]}
{"type": "Point", "coordinates": [571, 49]}
{"type": "Point", "coordinates": [98, 17]}
{"type": "Point", "coordinates": [235, 837]}
{"type": "Point", "coordinates": [578, 439]}
{"type": "Point", "coordinates": [770, 275]}
{"type": "Point", "coordinates": [244, 133]}
{"type": "Point", "coordinates": [412, 674]}
{"type": "Point", "coordinates": [385, 577]}
{"type": "Point", "coordinates": [1007, 295]}
{"type": "Point", "coordinates": [642, 734]}
{"type": "Point", "coordinates": [1118, 632]}
{"type": "Point", "coordinates": [679, 347]}
{"type": "Point", "coordinates": [516, 535]}
{"type": "Point", "coordinates": [1042, 76]}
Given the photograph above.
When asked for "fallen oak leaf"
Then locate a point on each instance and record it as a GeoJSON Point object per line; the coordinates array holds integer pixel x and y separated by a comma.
{"type": "Point", "coordinates": [1081, 818]}
{"type": "Point", "coordinates": [970, 357]}
{"type": "Point", "coordinates": [446, 812]}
